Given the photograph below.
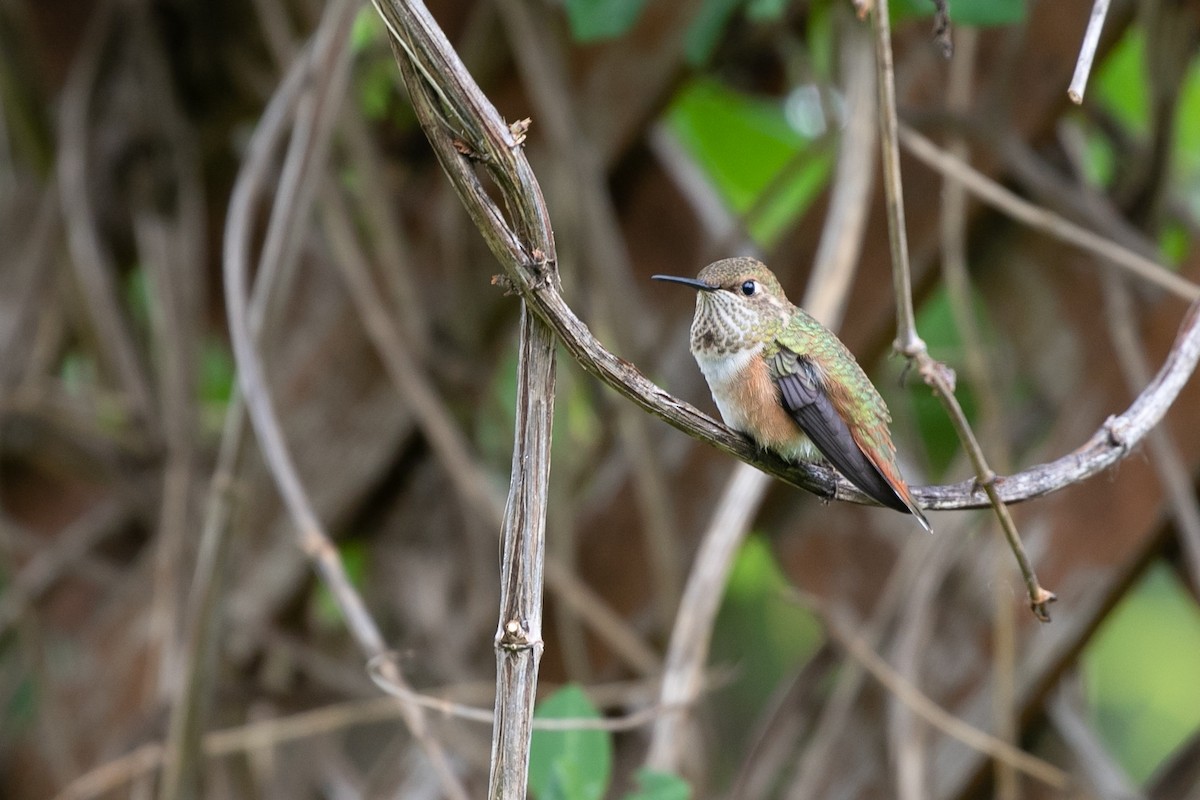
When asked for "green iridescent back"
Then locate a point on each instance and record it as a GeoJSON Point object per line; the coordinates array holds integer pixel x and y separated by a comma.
{"type": "Point", "coordinates": [851, 391]}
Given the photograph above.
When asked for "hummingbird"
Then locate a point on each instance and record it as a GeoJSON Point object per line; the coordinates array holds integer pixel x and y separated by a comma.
{"type": "Point", "coordinates": [786, 381]}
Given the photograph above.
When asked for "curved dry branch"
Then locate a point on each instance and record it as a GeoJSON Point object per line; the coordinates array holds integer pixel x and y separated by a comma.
{"type": "Point", "coordinates": [473, 132]}
{"type": "Point", "coordinates": [1113, 441]}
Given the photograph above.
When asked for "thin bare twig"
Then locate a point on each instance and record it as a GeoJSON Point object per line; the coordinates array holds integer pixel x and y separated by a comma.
{"type": "Point", "coordinates": [72, 544]}
{"type": "Point", "coordinates": [908, 342]}
{"type": "Point", "coordinates": [1087, 51]}
{"type": "Point", "coordinates": [172, 249]}
{"type": "Point", "coordinates": [941, 380]}
{"type": "Point", "coordinates": [982, 374]}
{"type": "Point", "coordinates": [473, 483]}
{"type": "Point", "coordinates": [822, 749]}
{"type": "Point", "coordinates": [270, 733]}
{"type": "Point", "coordinates": [930, 711]}
{"type": "Point", "coordinates": [183, 744]}
{"type": "Point", "coordinates": [1043, 219]}
{"type": "Point", "coordinates": [913, 638]}
{"type": "Point", "coordinates": [450, 708]}
{"type": "Point", "coordinates": [1122, 326]}
{"type": "Point", "coordinates": [602, 250]}
{"type": "Point", "coordinates": [254, 386]}
{"type": "Point", "coordinates": [328, 50]}
{"type": "Point", "coordinates": [90, 259]}
{"type": "Point", "coordinates": [1116, 437]}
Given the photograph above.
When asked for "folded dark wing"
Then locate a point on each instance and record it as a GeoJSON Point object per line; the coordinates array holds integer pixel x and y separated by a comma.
{"type": "Point", "coordinates": [816, 415]}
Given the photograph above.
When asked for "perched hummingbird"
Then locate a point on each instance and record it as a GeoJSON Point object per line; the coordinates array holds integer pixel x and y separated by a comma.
{"type": "Point", "coordinates": [786, 381]}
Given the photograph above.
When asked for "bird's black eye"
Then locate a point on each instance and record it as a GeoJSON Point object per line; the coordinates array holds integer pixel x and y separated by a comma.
{"type": "Point", "coordinates": [749, 288]}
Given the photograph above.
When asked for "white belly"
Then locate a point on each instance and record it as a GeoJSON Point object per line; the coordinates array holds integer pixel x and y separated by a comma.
{"type": "Point", "coordinates": [723, 374]}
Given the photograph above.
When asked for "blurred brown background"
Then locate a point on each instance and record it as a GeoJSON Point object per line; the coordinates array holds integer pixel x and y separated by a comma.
{"type": "Point", "coordinates": [676, 133]}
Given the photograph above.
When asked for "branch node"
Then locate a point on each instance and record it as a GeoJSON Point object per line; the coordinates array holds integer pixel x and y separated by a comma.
{"type": "Point", "coordinates": [515, 637]}
{"type": "Point", "coordinates": [542, 268]}
{"type": "Point", "coordinates": [936, 374]}
{"type": "Point", "coordinates": [982, 482]}
{"type": "Point", "coordinates": [1039, 602]}
{"type": "Point", "coordinates": [518, 129]}
{"type": "Point", "coordinates": [1115, 429]}
{"type": "Point", "coordinates": [468, 151]}
{"type": "Point", "coordinates": [505, 283]}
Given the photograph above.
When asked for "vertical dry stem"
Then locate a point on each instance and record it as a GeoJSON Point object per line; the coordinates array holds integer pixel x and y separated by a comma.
{"type": "Point", "coordinates": [937, 376]}
{"type": "Point", "coordinates": [519, 634]}
{"type": "Point", "coordinates": [464, 128]}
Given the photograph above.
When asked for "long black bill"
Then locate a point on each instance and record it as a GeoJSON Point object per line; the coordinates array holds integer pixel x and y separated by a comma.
{"type": "Point", "coordinates": [692, 282]}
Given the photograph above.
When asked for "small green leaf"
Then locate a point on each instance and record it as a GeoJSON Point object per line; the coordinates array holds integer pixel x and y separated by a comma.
{"type": "Point", "coordinates": [976, 13]}
{"type": "Point", "coordinates": [655, 785]}
{"type": "Point", "coordinates": [592, 20]}
{"type": "Point", "coordinates": [569, 765]}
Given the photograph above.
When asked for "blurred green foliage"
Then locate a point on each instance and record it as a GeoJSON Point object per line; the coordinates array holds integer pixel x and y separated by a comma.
{"type": "Point", "coordinates": [762, 634]}
{"type": "Point", "coordinates": [592, 20]}
{"type": "Point", "coordinates": [1119, 84]}
{"type": "Point", "coordinates": [1142, 669]}
{"type": "Point", "coordinates": [376, 79]}
{"type": "Point", "coordinates": [743, 143]}
{"type": "Point", "coordinates": [1120, 87]}
{"type": "Point", "coordinates": [977, 13]}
